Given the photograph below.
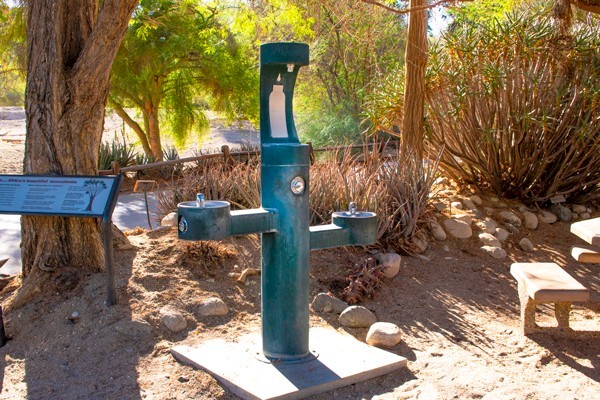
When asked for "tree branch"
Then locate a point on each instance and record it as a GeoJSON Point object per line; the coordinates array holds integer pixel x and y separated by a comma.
{"type": "Point", "coordinates": [409, 10]}
{"type": "Point", "coordinates": [585, 6]}
{"type": "Point", "coordinates": [95, 61]}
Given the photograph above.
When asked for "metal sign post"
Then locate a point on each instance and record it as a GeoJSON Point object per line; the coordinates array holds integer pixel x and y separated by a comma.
{"type": "Point", "coordinates": [145, 186]}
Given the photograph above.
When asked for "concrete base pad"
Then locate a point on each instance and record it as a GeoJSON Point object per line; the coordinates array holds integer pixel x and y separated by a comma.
{"type": "Point", "coordinates": [342, 360]}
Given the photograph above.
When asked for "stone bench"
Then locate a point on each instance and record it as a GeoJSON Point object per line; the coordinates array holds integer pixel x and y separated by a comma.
{"type": "Point", "coordinates": [586, 254]}
{"type": "Point", "coordinates": [546, 283]}
{"type": "Point", "coordinates": [588, 230]}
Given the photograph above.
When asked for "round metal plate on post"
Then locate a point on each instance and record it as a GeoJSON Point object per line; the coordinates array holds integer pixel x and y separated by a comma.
{"type": "Point", "coordinates": [183, 225]}
{"type": "Point", "coordinates": [298, 185]}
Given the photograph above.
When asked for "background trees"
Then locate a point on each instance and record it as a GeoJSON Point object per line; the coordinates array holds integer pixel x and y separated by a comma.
{"type": "Point", "coordinates": [355, 45]}
{"type": "Point", "coordinates": [12, 55]}
{"type": "Point", "coordinates": [176, 60]}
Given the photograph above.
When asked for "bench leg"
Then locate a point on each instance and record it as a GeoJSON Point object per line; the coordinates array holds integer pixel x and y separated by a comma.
{"type": "Point", "coordinates": [528, 306]}
{"type": "Point", "coordinates": [561, 311]}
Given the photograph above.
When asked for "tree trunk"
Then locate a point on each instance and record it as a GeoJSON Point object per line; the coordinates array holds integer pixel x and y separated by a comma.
{"type": "Point", "coordinates": [153, 129]}
{"type": "Point", "coordinates": [414, 84]}
{"type": "Point", "coordinates": [71, 45]}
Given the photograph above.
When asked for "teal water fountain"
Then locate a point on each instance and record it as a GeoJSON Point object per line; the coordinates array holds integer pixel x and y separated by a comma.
{"type": "Point", "coordinates": [282, 221]}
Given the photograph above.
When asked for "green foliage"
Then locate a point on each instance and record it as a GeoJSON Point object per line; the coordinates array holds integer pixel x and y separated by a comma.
{"type": "Point", "coordinates": [12, 55]}
{"type": "Point", "coordinates": [481, 11]}
{"type": "Point", "coordinates": [170, 154]}
{"type": "Point", "coordinates": [271, 21]}
{"type": "Point", "coordinates": [323, 128]}
{"type": "Point", "coordinates": [517, 107]}
{"type": "Point", "coordinates": [116, 151]}
{"type": "Point", "coordinates": [175, 55]}
{"type": "Point", "coordinates": [385, 106]}
{"type": "Point", "coordinates": [356, 45]}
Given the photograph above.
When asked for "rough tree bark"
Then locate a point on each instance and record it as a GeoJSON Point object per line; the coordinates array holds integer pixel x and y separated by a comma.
{"type": "Point", "coordinates": [414, 84]}
{"type": "Point", "coordinates": [71, 45]}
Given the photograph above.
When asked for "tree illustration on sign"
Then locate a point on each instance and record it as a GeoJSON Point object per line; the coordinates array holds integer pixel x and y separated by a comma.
{"type": "Point", "coordinates": [93, 187]}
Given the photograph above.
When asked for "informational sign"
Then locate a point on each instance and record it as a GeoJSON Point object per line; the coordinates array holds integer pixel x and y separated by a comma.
{"type": "Point", "coordinates": [82, 196]}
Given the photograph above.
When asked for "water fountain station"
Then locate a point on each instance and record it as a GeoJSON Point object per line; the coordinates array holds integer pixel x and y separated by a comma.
{"type": "Point", "coordinates": [282, 221]}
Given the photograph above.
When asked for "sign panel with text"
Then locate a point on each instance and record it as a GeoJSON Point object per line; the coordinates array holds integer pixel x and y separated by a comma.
{"type": "Point", "coordinates": [82, 196]}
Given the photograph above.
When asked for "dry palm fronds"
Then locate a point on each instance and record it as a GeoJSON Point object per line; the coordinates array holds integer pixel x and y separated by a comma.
{"type": "Point", "coordinates": [363, 281]}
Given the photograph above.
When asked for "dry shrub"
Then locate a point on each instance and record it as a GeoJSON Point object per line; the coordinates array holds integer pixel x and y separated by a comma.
{"type": "Point", "coordinates": [517, 108]}
{"type": "Point", "coordinates": [396, 187]}
{"type": "Point", "coordinates": [237, 182]}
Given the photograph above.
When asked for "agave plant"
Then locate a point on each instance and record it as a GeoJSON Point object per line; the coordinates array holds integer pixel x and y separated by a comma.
{"type": "Point", "coordinates": [517, 107]}
{"type": "Point", "coordinates": [123, 154]}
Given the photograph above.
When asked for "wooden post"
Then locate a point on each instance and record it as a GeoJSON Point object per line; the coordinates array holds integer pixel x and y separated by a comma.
{"type": "Point", "coordinates": [226, 154]}
{"type": "Point", "coordinates": [115, 167]}
{"type": "Point", "coordinates": [311, 152]}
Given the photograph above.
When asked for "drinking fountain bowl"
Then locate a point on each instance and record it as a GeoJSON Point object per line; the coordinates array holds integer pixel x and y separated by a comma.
{"type": "Point", "coordinates": [362, 225]}
{"type": "Point", "coordinates": [208, 220]}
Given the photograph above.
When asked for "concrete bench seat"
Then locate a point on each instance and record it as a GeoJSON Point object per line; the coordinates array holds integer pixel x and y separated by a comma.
{"type": "Point", "coordinates": [588, 230]}
{"type": "Point", "coordinates": [546, 283]}
{"type": "Point", "coordinates": [586, 254]}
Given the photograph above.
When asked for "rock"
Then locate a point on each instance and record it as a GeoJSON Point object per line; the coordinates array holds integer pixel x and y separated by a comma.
{"type": "Point", "coordinates": [457, 205]}
{"type": "Point", "coordinates": [437, 231]}
{"type": "Point", "coordinates": [390, 262]}
{"type": "Point", "coordinates": [446, 248]}
{"type": "Point", "coordinates": [466, 218]}
{"type": "Point", "coordinates": [547, 217]}
{"type": "Point", "coordinates": [74, 317]}
{"type": "Point", "coordinates": [563, 213]}
{"type": "Point", "coordinates": [501, 205]}
{"type": "Point", "coordinates": [469, 204]}
{"type": "Point", "coordinates": [559, 198]}
{"type": "Point", "coordinates": [420, 245]}
{"type": "Point", "coordinates": [501, 234]}
{"type": "Point", "coordinates": [478, 214]}
{"type": "Point", "coordinates": [325, 302]}
{"type": "Point", "coordinates": [521, 208]}
{"type": "Point", "coordinates": [526, 244]}
{"type": "Point", "coordinates": [172, 319]}
{"type": "Point", "coordinates": [439, 206]}
{"type": "Point", "coordinates": [384, 334]}
{"type": "Point", "coordinates": [495, 252]}
{"type": "Point", "coordinates": [357, 317]}
{"type": "Point", "coordinates": [458, 229]}
{"type": "Point", "coordinates": [578, 208]}
{"type": "Point", "coordinates": [476, 199]}
{"type": "Point", "coordinates": [136, 328]}
{"type": "Point", "coordinates": [488, 210]}
{"type": "Point", "coordinates": [585, 215]}
{"type": "Point", "coordinates": [183, 379]}
{"type": "Point", "coordinates": [511, 218]}
{"type": "Point", "coordinates": [488, 226]}
{"type": "Point", "coordinates": [531, 220]}
{"type": "Point", "coordinates": [511, 228]}
{"type": "Point", "coordinates": [442, 180]}
{"type": "Point", "coordinates": [169, 219]}
{"type": "Point", "coordinates": [490, 240]}
{"type": "Point", "coordinates": [213, 306]}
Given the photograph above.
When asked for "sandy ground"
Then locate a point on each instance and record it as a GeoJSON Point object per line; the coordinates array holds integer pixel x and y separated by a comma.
{"type": "Point", "coordinates": [457, 308]}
